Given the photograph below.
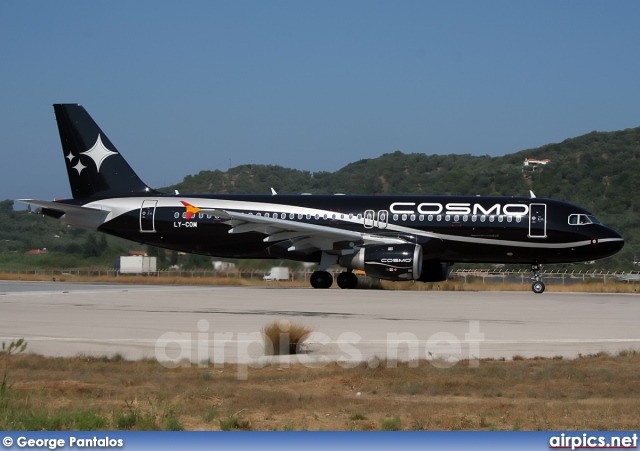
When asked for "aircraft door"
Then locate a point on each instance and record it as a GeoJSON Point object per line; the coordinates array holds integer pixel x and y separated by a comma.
{"type": "Point", "coordinates": [147, 215]}
{"type": "Point", "coordinates": [369, 217]}
{"type": "Point", "coordinates": [383, 219]}
{"type": "Point", "coordinates": [537, 220]}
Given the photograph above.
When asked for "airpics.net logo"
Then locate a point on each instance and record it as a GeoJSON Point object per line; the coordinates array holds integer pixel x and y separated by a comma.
{"type": "Point", "coordinates": [209, 347]}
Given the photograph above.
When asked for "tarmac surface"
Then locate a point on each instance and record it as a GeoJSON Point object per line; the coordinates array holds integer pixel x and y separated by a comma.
{"type": "Point", "coordinates": [182, 325]}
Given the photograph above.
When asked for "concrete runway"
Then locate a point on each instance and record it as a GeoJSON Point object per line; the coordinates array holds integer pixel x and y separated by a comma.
{"type": "Point", "coordinates": [180, 324]}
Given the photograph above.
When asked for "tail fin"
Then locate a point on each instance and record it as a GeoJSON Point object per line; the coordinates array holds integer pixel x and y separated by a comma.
{"type": "Point", "coordinates": [94, 165]}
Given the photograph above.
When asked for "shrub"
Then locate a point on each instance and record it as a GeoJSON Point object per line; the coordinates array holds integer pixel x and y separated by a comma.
{"type": "Point", "coordinates": [282, 337]}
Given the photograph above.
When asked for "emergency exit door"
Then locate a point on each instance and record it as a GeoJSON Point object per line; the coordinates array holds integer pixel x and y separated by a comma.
{"type": "Point", "coordinates": [147, 215]}
{"type": "Point", "coordinates": [537, 220]}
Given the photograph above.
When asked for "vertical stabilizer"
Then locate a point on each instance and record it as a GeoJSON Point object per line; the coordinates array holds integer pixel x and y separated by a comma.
{"type": "Point", "coordinates": [94, 165]}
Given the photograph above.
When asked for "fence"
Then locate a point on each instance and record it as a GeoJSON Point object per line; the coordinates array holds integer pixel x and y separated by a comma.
{"type": "Point", "coordinates": [565, 277]}
{"type": "Point", "coordinates": [195, 273]}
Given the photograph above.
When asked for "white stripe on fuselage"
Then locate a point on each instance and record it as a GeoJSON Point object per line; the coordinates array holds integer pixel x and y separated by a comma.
{"type": "Point", "coordinates": [120, 206]}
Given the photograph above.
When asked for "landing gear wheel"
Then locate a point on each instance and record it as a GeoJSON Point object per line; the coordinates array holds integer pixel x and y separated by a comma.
{"type": "Point", "coordinates": [321, 279]}
{"type": "Point", "coordinates": [347, 280]}
{"type": "Point", "coordinates": [538, 287]}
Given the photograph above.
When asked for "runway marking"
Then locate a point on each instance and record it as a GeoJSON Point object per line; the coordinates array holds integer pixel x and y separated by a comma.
{"type": "Point", "coordinates": [336, 342]}
{"type": "Point", "coordinates": [105, 291]}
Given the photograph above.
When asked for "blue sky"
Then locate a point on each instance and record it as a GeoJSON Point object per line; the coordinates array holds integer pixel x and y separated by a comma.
{"type": "Point", "coordinates": [181, 87]}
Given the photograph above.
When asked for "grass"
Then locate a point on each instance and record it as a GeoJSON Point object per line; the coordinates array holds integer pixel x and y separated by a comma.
{"type": "Point", "coordinates": [391, 424]}
{"type": "Point", "coordinates": [592, 392]}
{"type": "Point", "coordinates": [365, 283]}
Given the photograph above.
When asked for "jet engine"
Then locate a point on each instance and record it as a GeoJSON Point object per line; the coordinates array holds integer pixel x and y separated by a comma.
{"type": "Point", "coordinates": [435, 271]}
{"type": "Point", "coordinates": [387, 261]}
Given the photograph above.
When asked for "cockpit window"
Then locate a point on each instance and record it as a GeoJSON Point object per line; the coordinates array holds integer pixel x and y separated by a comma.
{"type": "Point", "coordinates": [580, 219]}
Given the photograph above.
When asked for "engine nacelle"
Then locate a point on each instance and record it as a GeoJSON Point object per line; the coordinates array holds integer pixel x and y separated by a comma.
{"type": "Point", "coordinates": [435, 271]}
{"type": "Point", "coordinates": [387, 261]}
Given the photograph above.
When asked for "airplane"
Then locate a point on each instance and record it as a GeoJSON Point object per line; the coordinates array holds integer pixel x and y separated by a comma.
{"type": "Point", "coordinates": [390, 237]}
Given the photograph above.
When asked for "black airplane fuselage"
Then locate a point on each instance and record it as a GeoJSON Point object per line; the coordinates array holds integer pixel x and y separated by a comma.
{"type": "Point", "coordinates": [449, 228]}
{"type": "Point", "coordinates": [389, 237]}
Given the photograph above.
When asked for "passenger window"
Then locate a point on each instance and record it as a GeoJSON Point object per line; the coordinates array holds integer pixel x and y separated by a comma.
{"type": "Point", "coordinates": [474, 218]}
{"type": "Point", "coordinates": [291, 216]}
{"type": "Point", "coordinates": [395, 217]}
{"type": "Point", "coordinates": [430, 218]}
{"type": "Point", "coordinates": [492, 218]}
{"type": "Point", "coordinates": [421, 218]}
{"type": "Point", "coordinates": [439, 218]}
{"type": "Point", "coordinates": [413, 217]}
{"type": "Point", "coordinates": [404, 217]}
{"type": "Point", "coordinates": [447, 218]}
{"type": "Point", "coordinates": [456, 218]}
{"type": "Point", "coordinates": [483, 218]}
{"type": "Point", "coordinates": [465, 218]}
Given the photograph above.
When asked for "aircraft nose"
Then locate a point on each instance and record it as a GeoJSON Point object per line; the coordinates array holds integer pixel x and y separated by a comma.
{"type": "Point", "coordinates": [613, 242]}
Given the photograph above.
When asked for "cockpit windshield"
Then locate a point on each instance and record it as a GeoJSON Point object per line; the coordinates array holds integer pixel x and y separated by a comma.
{"type": "Point", "coordinates": [581, 219]}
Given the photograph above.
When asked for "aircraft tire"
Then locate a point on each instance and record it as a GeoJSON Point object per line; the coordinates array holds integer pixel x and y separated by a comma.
{"type": "Point", "coordinates": [347, 280]}
{"type": "Point", "coordinates": [538, 287]}
{"type": "Point", "coordinates": [321, 279]}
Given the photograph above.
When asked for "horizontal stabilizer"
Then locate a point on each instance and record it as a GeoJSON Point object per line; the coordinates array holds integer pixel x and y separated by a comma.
{"type": "Point", "coordinates": [77, 215]}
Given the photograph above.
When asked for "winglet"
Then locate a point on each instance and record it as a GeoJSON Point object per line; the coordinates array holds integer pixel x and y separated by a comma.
{"type": "Point", "coordinates": [191, 210]}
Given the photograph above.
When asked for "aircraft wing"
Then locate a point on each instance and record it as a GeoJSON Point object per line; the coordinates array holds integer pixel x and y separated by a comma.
{"type": "Point", "coordinates": [73, 214]}
{"type": "Point", "coordinates": [304, 237]}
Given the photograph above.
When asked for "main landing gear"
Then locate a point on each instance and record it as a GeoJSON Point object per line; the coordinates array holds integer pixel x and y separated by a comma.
{"type": "Point", "coordinates": [323, 279]}
{"type": "Point", "coordinates": [538, 285]}
{"type": "Point", "coordinates": [347, 280]}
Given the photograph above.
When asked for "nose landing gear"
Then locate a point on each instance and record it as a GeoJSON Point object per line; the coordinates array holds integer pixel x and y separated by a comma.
{"type": "Point", "coordinates": [538, 285]}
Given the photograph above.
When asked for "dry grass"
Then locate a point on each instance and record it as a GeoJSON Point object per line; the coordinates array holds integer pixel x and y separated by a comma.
{"type": "Point", "coordinates": [450, 285]}
{"type": "Point", "coordinates": [590, 393]}
{"type": "Point", "coordinates": [282, 337]}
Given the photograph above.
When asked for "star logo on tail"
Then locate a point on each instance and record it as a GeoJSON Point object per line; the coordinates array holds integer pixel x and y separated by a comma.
{"type": "Point", "coordinates": [98, 153]}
